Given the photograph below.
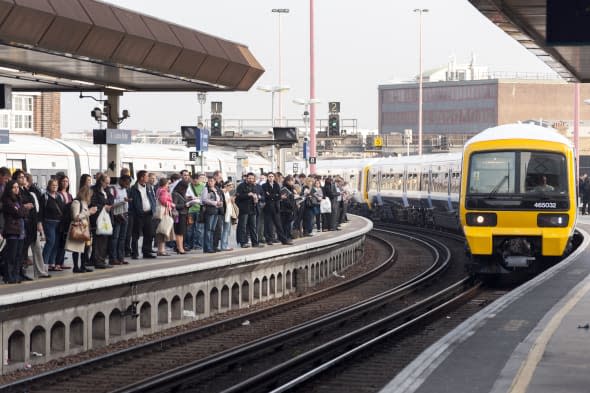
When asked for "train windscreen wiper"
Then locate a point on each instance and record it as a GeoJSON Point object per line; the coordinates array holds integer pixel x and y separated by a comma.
{"type": "Point", "coordinates": [497, 187]}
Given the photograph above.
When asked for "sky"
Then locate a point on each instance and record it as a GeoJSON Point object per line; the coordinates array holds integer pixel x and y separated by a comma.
{"type": "Point", "coordinates": [358, 45]}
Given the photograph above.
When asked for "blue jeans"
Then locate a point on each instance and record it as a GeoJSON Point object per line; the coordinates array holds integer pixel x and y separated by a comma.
{"type": "Point", "coordinates": [194, 233]}
{"type": "Point", "coordinates": [247, 227]}
{"type": "Point", "coordinates": [225, 229]}
{"type": "Point", "coordinates": [13, 259]}
{"type": "Point", "coordinates": [51, 229]}
{"type": "Point", "coordinates": [308, 215]}
{"type": "Point", "coordinates": [118, 240]}
{"type": "Point", "coordinates": [210, 224]}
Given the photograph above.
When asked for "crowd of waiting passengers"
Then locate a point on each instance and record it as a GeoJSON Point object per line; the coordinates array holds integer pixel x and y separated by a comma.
{"type": "Point", "coordinates": [102, 224]}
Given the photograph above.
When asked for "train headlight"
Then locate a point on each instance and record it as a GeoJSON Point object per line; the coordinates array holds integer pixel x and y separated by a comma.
{"type": "Point", "coordinates": [553, 220]}
{"type": "Point", "coordinates": [481, 219]}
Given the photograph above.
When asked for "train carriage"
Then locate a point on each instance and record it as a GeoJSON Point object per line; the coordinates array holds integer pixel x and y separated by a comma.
{"type": "Point", "coordinates": [518, 198]}
{"type": "Point", "coordinates": [512, 192]}
{"type": "Point", "coordinates": [44, 157]}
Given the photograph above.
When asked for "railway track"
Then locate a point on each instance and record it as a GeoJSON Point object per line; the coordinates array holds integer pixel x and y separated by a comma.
{"type": "Point", "coordinates": [240, 350]}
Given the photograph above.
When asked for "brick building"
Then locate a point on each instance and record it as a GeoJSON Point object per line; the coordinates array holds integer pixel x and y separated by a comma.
{"type": "Point", "coordinates": [467, 107]}
{"type": "Point", "coordinates": [37, 113]}
{"type": "Point", "coordinates": [46, 115]}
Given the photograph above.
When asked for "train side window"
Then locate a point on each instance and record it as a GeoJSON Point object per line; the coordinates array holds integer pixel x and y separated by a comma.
{"type": "Point", "coordinates": [413, 181]}
{"type": "Point", "coordinates": [397, 181]}
{"type": "Point", "coordinates": [373, 182]}
{"type": "Point", "coordinates": [435, 187]}
{"type": "Point", "coordinates": [424, 182]}
{"type": "Point", "coordinates": [455, 182]}
{"type": "Point", "coordinates": [14, 164]}
{"type": "Point", "coordinates": [129, 165]}
{"type": "Point", "coordinates": [384, 181]}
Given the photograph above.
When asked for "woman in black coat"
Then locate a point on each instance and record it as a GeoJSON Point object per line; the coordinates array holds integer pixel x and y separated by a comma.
{"type": "Point", "coordinates": [102, 199]}
{"type": "Point", "coordinates": [287, 206]}
{"type": "Point", "coordinates": [179, 200]}
{"type": "Point", "coordinates": [14, 212]}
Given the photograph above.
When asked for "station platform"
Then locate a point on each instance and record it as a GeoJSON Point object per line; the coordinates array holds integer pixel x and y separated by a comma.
{"type": "Point", "coordinates": [70, 313]}
{"type": "Point", "coordinates": [535, 339]}
{"type": "Point", "coordinates": [65, 282]}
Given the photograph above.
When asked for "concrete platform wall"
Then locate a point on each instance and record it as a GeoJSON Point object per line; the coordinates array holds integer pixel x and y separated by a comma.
{"type": "Point", "coordinates": [38, 331]}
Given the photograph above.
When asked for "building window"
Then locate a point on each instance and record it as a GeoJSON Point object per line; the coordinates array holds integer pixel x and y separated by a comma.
{"type": "Point", "coordinates": [4, 119]}
{"type": "Point", "coordinates": [23, 103]}
{"type": "Point", "coordinates": [22, 112]}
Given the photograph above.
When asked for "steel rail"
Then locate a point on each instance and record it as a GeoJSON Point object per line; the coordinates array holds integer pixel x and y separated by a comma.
{"type": "Point", "coordinates": [179, 378]}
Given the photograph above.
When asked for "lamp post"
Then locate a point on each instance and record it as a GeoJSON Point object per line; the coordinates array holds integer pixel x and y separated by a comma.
{"type": "Point", "coordinates": [312, 141]}
{"type": "Point", "coordinates": [306, 104]}
{"type": "Point", "coordinates": [202, 98]}
{"type": "Point", "coordinates": [272, 90]}
{"type": "Point", "coordinates": [279, 12]}
{"type": "Point", "coordinates": [420, 11]}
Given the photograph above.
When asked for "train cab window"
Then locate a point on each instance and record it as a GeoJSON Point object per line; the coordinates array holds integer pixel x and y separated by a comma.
{"type": "Point", "coordinates": [519, 172]}
{"type": "Point", "coordinates": [491, 173]}
{"type": "Point", "coordinates": [543, 172]}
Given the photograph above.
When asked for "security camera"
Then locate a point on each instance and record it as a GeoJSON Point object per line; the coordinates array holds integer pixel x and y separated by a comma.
{"type": "Point", "coordinates": [96, 113]}
{"type": "Point", "coordinates": [126, 114]}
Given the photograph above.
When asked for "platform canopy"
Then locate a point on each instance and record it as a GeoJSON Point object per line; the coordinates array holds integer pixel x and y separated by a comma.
{"type": "Point", "coordinates": [526, 21]}
{"type": "Point", "coordinates": [88, 45]}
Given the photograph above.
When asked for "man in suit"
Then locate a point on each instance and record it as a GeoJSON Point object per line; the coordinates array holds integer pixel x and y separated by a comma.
{"type": "Point", "coordinates": [272, 195]}
{"type": "Point", "coordinates": [142, 205]}
{"type": "Point", "coordinates": [247, 200]}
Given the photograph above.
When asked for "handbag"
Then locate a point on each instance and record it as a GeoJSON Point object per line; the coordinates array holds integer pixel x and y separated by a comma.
{"type": "Point", "coordinates": [201, 217]}
{"type": "Point", "coordinates": [79, 231]}
{"type": "Point", "coordinates": [235, 211]}
{"type": "Point", "coordinates": [104, 226]}
{"type": "Point", "coordinates": [325, 206]}
{"type": "Point", "coordinates": [160, 211]}
{"type": "Point", "coordinates": [165, 226]}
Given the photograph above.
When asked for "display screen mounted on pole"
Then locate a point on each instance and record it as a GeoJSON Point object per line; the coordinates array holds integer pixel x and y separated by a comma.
{"type": "Point", "coordinates": [111, 136]}
{"type": "Point", "coordinates": [202, 139]}
{"type": "Point", "coordinates": [196, 135]}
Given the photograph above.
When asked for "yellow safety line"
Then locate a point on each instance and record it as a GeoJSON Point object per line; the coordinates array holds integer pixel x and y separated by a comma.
{"type": "Point", "coordinates": [523, 378]}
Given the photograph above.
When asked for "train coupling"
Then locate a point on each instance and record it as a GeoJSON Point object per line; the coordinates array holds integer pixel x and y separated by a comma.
{"type": "Point", "coordinates": [517, 252]}
{"type": "Point", "coordinates": [518, 261]}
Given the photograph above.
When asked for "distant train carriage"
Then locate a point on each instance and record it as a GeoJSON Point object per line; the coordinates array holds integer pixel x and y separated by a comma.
{"type": "Point", "coordinates": [44, 157]}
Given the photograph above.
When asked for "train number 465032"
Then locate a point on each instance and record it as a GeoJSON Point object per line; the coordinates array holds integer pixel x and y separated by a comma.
{"type": "Point", "coordinates": [545, 205]}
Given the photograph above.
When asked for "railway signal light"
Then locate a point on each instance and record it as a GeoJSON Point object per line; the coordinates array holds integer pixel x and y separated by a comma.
{"type": "Point", "coordinates": [334, 125]}
{"type": "Point", "coordinates": [215, 125]}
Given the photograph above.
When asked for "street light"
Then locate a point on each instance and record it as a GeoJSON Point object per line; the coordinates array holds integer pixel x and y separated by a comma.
{"type": "Point", "coordinates": [279, 12]}
{"type": "Point", "coordinates": [273, 90]}
{"type": "Point", "coordinates": [306, 104]}
{"type": "Point", "coordinates": [202, 98]}
{"type": "Point", "coordinates": [420, 11]}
